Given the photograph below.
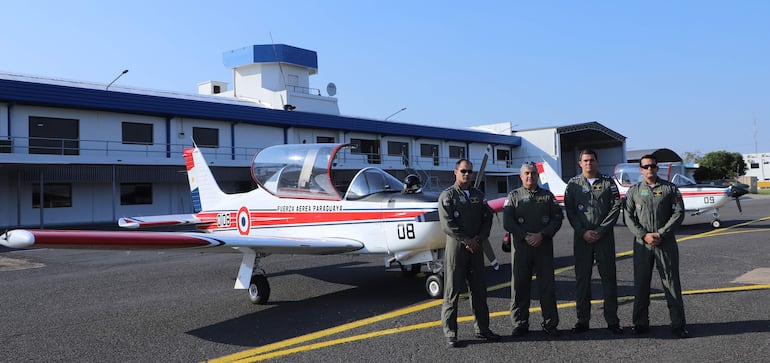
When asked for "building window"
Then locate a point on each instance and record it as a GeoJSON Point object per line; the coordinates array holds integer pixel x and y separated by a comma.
{"type": "Point", "coordinates": [397, 148]}
{"type": "Point", "coordinates": [456, 152]}
{"type": "Point", "coordinates": [135, 193]}
{"type": "Point", "coordinates": [505, 156]}
{"type": "Point", "coordinates": [370, 148]}
{"type": "Point", "coordinates": [324, 139]}
{"type": "Point", "coordinates": [430, 151]}
{"type": "Point", "coordinates": [754, 165]}
{"type": "Point", "coordinates": [137, 133]}
{"type": "Point", "coordinates": [502, 186]}
{"type": "Point", "coordinates": [206, 137]}
{"type": "Point", "coordinates": [54, 195]}
{"type": "Point", "coordinates": [58, 136]}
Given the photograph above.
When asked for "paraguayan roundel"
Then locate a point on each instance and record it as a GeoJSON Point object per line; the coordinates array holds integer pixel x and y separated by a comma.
{"type": "Point", "coordinates": [244, 221]}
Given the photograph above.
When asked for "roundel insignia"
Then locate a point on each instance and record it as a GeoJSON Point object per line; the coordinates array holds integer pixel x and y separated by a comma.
{"type": "Point", "coordinates": [244, 221]}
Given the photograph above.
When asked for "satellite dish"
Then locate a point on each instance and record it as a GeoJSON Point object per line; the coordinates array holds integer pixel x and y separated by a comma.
{"type": "Point", "coordinates": [331, 89]}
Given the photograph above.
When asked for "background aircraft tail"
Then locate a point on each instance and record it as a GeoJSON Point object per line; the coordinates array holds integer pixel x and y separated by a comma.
{"type": "Point", "coordinates": [550, 179]}
{"type": "Point", "coordinates": [203, 187]}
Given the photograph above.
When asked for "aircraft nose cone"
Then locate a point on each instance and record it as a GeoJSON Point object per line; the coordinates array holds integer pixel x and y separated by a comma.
{"type": "Point", "coordinates": [737, 191]}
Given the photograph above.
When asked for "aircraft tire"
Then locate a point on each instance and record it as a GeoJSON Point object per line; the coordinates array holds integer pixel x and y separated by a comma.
{"type": "Point", "coordinates": [434, 286]}
{"type": "Point", "coordinates": [259, 289]}
{"type": "Point", "coordinates": [716, 223]}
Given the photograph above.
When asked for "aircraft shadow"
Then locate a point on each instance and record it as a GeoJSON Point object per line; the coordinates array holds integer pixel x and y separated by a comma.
{"type": "Point", "coordinates": [373, 292]}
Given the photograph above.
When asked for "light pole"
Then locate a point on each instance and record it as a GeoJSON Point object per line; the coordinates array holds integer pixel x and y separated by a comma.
{"type": "Point", "coordinates": [116, 78]}
{"type": "Point", "coordinates": [394, 113]}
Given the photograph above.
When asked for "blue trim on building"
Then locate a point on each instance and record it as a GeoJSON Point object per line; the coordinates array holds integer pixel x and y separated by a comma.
{"type": "Point", "coordinates": [50, 95]}
{"type": "Point", "coordinates": [270, 53]}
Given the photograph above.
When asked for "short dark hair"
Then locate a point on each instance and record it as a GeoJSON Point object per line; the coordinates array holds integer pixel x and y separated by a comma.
{"type": "Point", "coordinates": [648, 156]}
{"type": "Point", "coordinates": [457, 164]}
{"type": "Point", "coordinates": [588, 152]}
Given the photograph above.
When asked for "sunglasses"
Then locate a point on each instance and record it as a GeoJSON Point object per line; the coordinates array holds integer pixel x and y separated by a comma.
{"type": "Point", "coordinates": [650, 166]}
{"type": "Point", "coordinates": [466, 171]}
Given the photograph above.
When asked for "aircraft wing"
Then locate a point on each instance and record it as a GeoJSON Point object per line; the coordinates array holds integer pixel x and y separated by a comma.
{"type": "Point", "coordinates": [135, 240]}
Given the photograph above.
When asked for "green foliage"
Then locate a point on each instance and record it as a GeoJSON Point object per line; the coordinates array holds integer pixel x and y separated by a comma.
{"type": "Point", "coordinates": [720, 165]}
{"type": "Point", "coordinates": [692, 157]}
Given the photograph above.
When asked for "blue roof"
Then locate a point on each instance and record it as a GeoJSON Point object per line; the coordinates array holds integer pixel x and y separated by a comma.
{"type": "Point", "coordinates": [55, 95]}
{"type": "Point", "coordinates": [270, 53]}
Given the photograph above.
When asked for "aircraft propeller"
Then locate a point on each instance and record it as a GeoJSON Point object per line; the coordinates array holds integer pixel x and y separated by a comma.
{"type": "Point", "coordinates": [736, 191]}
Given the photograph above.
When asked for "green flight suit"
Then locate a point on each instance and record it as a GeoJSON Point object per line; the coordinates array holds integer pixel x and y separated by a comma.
{"type": "Point", "coordinates": [532, 211]}
{"type": "Point", "coordinates": [464, 216]}
{"type": "Point", "coordinates": [657, 208]}
{"type": "Point", "coordinates": [594, 207]}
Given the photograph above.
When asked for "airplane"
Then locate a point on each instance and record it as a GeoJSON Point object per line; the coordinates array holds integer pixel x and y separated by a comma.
{"type": "Point", "coordinates": [305, 203]}
{"type": "Point", "coordinates": [698, 198]}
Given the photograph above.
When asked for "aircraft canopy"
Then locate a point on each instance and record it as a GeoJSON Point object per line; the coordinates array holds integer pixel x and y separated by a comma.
{"type": "Point", "coordinates": [307, 171]}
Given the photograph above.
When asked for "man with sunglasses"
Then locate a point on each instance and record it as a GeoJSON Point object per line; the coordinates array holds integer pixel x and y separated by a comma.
{"type": "Point", "coordinates": [466, 218]}
{"type": "Point", "coordinates": [592, 202]}
{"type": "Point", "coordinates": [533, 216]}
{"type": "Point", "coordinates": [654, 211]}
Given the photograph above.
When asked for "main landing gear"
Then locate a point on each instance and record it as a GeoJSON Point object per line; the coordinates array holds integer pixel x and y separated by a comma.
{"type": "Point", "coordinates": [252, 278]}
{"type": "Point", "coordinates": [434, 285]}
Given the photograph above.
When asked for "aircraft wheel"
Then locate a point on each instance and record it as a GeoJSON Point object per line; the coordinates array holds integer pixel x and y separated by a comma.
{"type": "Point", "coordinates": [412, 270]}
{"type": "Point", "coordinates": [259, 289]}
{"type": "Point", "coordinates": [716, 223]}
{"type": "Point", "coordinates": [434, 285]}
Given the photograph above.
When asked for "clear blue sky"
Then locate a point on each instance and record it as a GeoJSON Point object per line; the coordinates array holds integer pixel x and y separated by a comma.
{"type": "Point", "coordinates": [686, 75]}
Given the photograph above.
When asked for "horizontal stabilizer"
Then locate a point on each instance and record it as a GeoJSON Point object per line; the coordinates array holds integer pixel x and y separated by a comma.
{"type": "Point", "coordinates": [161, 221]}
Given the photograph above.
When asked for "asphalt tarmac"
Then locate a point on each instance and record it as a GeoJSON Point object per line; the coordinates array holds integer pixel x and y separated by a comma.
{"type": "Point", "coordinates": [86, 306]}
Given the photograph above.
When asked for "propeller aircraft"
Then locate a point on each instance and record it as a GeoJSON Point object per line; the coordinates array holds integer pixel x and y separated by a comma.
{"type": "Point", "coordinates": [305, 203]}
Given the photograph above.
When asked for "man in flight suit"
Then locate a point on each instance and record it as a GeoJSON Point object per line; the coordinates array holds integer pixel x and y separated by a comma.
{"type": "Point", "coordinates": [654, 211]}
{"type": "Point", "coordinates": [533, 216]}
{"type": "Point", "coordinates": [466, 219]}
{"type": "Point", "coordinates": [593, 205]}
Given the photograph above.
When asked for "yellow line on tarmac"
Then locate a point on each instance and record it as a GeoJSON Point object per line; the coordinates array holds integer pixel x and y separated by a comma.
{"type": "Point", "coordinates": [259, 351]}
{"type": "Point", "coordinates": [436, 323]}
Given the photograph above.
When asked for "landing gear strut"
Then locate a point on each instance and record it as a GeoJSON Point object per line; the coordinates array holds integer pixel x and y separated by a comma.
{"type": "Point", "coordinates": [716, 223]}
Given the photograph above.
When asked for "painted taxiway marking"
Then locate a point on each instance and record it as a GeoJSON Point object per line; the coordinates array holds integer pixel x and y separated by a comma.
{"type": "Point", "coordinates": [277, 349]}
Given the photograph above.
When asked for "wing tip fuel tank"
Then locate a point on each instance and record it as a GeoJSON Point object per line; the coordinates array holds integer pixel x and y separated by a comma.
{"type": "Point", "coordinates": [18, 238]}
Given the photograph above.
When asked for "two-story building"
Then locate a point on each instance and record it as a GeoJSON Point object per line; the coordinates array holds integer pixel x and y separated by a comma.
{"type": "Point", "coordinates": [73, 152]}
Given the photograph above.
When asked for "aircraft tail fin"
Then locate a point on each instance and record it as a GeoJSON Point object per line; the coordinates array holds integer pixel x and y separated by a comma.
{"type": "Point", "coordinates": [550, 179]}
{"type": "Point", "coordinates": [203, 187]}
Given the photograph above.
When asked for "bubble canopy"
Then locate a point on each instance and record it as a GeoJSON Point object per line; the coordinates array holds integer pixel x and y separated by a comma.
{"type": "Point", "coordinates": [307, 171]}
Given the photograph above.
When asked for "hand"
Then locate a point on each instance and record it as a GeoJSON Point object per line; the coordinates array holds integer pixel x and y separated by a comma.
{"type": "Point", "coordinates": [472, 245]}
{"type": "Point", "coordinates": [653, 238]}
{"type": "Point", "coordinates": [534, 239]}
{"type": "Point", "coordinates": [591, 236]}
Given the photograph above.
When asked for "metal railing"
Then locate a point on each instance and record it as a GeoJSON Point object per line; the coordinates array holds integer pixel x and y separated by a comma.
{"type": "Point", "coordinates": [118, 149]}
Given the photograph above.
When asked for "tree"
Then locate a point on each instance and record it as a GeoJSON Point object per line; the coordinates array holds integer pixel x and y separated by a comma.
{"type": "Point", "coordinates": [692, 157]}
{"type": "Point", "coordinates": [720, 165]}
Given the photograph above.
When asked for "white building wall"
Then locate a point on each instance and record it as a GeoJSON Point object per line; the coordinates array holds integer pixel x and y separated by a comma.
{"type": "Point", "coordinates": [538, 145]}
{"type": "Point", "coordinates": [762, 161]}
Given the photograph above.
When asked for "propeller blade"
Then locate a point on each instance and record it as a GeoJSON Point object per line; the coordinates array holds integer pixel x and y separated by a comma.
{"type": "Point", "coordinates": [738, 202]}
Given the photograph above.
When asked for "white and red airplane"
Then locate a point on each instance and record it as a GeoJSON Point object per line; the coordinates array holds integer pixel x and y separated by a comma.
{"type": "Point", "coordinates": [304, 203]}
{"type": "Point", "coordinates": [698, 199]}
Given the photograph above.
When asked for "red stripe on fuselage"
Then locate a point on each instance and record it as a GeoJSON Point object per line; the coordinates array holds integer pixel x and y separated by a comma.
{"type": "Point", "coordinates": [114, 239]}
{"type": "Point", "coordinates": [264, 219]}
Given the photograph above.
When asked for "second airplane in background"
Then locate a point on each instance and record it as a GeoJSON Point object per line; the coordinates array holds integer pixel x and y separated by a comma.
{"type": "Point", "coordinates": [698, 198]}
